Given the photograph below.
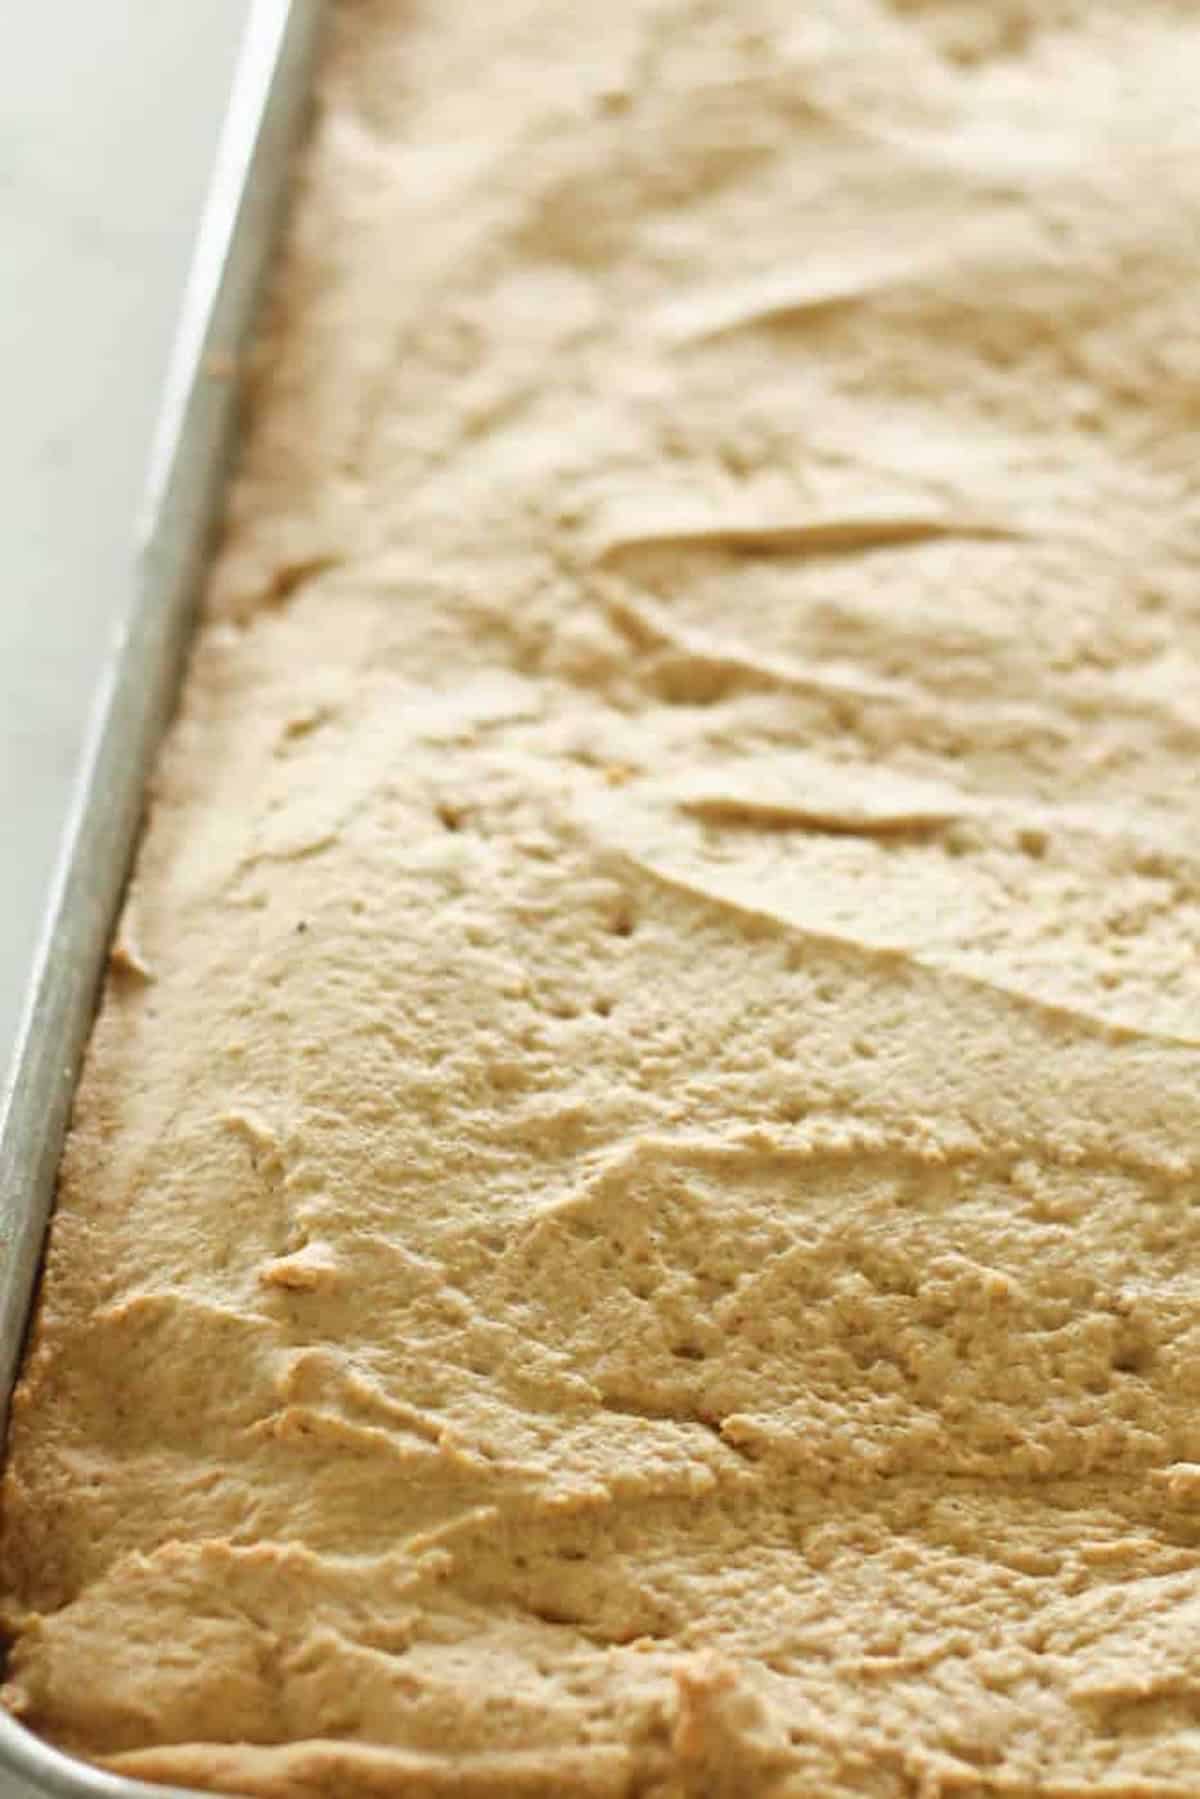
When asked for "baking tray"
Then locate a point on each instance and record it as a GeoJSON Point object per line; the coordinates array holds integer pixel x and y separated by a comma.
{"type": "Point", "coordinates": [188, 465]}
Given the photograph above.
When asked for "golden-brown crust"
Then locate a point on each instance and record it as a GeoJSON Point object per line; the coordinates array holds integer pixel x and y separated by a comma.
{"type": "Point", "coordinates": [630, 1221]}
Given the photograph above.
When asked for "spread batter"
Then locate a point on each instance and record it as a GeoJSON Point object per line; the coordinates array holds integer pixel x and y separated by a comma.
{"type": "Point", "coordinates": [631, 1224]}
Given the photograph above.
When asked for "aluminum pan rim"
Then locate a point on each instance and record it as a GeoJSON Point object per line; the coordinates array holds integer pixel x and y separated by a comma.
{"type": "Point", "coordinates": [188, 464]}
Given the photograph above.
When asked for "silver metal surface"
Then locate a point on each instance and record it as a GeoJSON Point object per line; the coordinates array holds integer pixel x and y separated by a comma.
{"type": "Point", "coordinates": [187, 470]}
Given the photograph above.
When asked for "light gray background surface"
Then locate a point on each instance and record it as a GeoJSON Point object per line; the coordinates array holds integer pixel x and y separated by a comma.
{"type": "Point", "coordinates": [108, 121]}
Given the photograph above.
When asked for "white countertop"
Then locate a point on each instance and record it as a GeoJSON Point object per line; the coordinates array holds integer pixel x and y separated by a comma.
{"type": "Point", "coordinates": [108, 120]}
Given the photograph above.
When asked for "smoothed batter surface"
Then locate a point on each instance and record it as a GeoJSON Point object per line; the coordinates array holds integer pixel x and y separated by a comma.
{"type": "Point", "coordinates": [632, 1221]}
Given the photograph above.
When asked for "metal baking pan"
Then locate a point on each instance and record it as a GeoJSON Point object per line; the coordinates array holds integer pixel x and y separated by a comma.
{"type": "Point", "coordinates": [188, 465]}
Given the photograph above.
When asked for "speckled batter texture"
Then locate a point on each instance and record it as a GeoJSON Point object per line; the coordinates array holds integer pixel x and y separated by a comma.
{"type": "Point", "coordinates": [632, 1226]}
